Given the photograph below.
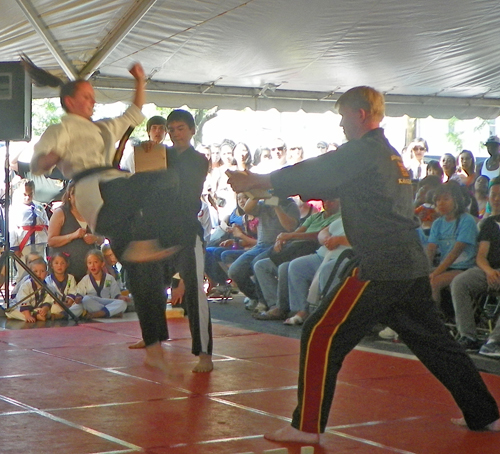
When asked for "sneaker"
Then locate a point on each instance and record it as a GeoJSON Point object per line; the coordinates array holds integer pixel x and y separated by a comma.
{"type": "Point", "coordinates": [388, 334]}
{"type": "Point", "coordinates": [470, 345]}
{"type": "Point", "coordinates": [492, 349]}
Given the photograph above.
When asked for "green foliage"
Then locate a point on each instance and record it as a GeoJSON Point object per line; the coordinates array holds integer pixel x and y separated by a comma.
{"type": "Point", "coordinates": [454, 136]}
{"type": "Point", "coordinates": [46, 112]}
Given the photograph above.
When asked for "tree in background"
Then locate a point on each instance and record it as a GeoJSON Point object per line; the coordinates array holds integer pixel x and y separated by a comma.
{"type": "Point", "coordinates": [453, 135]}
{"type": "Point", "coordinates": [46, 112]}
{"type": "Point", "coordinates": [201, 117]}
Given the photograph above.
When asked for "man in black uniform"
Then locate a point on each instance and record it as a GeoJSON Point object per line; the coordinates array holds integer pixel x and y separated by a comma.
{"type": "Point", "coordinates": [191, 168]}
{"type": "Point", "coordinates": [391, 282]}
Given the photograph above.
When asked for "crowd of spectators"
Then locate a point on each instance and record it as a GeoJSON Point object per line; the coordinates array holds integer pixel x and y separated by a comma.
{"type": "Point", "coordinates": [453, 199]}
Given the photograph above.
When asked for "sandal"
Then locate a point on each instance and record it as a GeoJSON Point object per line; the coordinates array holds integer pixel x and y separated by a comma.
{"type": "Point", "coordinates": [295, 320]}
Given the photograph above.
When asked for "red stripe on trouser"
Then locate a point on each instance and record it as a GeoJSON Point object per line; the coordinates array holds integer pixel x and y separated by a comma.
{"type": "Point", "coordinates": [318, 349]}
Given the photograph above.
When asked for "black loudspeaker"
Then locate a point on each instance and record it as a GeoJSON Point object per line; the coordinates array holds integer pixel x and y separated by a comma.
{"type": "Point", "coordinates": [15, 102]}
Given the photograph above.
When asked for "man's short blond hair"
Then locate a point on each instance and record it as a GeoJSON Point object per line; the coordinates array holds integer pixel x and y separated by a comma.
{"type": "Point", "coordinates": [366, 98]}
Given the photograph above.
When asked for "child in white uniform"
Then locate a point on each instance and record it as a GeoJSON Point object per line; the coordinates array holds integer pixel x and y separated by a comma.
{"type": "Point", "coordinates": [64, 286]}
{"type": "Point", "coordinates": [100, 291]}
{"type": "Point", "coordinates": [30, 224]}
{"type": "Point", "coordinates": [35, 302]}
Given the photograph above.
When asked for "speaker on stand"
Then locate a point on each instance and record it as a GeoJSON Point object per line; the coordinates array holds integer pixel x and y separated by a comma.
{"type": "Point", "coordinates": [15, 124]}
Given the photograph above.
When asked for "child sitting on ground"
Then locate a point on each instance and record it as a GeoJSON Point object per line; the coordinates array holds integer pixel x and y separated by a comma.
{"type": "Point", "coordinates": [30, 258]}
{"type": "Point", "coordinates": [100, 291]}
{"type": "Point", "coordinates": [115, 269]}
{"type": "Point", "coordinates": [64, 286]}
{"type": "Point", "coordinates": [32, 301]}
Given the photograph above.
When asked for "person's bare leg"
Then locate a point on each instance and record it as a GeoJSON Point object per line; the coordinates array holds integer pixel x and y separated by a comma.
{"type": "Point", "coordinates": [139, 344]}
{"type": "Point", "coordinates": [493, 427]}
{"type": "Point", "coordinates": [205, 363]}
{"type": "Point", "coordinates": [290, 434]}
{"type": "Point", "coordinates": [155, 358]}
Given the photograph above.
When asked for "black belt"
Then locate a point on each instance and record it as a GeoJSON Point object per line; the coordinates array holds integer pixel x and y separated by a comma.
{"type": "Point", "coordinates": [87, 172]}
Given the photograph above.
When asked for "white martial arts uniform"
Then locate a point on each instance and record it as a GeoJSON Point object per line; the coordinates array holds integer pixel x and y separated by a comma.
{"type": "Point", "coordinates": [97, 297]}
{"type": "Point", "coordinates": [69, 290]}
{"type": "Point", "coordinates": [33, 302]}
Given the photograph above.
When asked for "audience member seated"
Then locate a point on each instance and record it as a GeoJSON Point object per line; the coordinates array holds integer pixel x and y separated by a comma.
{"type": "Point", "coordinates": [33, 303]}
{"type": "Point", "coordinates": [424, 202]}
{"type": "Point", "coordinates": [302, 272]}
{"type": "Point", "coordinates": [449, 165]}
{"type": "Point", "coordinates": [307, 209]}
{"type": "Point", "coordinates": [100, 291]}
{"type": "Point", "coordinates": [223, 230]}
{"type": "Point", "coordinates": [64, 287]}
{"type": "Point", "coordinates": [31, 257]}
{"type": "Point", "coordinates": [454, 234]}
{"type": "Point", "coordinates": [467, 172]}
{"type": "Point", "coordinates": [69, 233]}
{"type": "Point", "coordinates": [241, 229]}
{"type": "Point", "coordinates": [491, 167]}
{"type": "Point", "coordinates": [273, 220]}
{"type": "Point", "coordinates": [467, 287]}
{"type": "Point", "coordinates": [434, 168]}
{"type": "Point", "coordinates": [272, 272]}
{"type": "Point", "coordinates": [208, 216]}
{"type": "Point", "coordinates": [481, 195]}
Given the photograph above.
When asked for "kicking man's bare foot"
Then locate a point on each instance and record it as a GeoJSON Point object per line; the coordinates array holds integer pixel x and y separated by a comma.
{"type": "Point", "coordinates": [147, 251]}
{"type": "Point", "coordinates": [205, 363]}
{"type": "Point", "coordinates": [493, 427]}
{"type": "Point", "coordinates": [140, 344]}
{"type": "Point", "coordinates": [290, 434]}
{"type": "Point", "coordinates": [155, 358]}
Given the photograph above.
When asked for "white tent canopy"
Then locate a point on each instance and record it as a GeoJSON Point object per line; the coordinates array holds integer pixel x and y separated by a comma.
{"type": "Point", "coordinates": [428, 57]}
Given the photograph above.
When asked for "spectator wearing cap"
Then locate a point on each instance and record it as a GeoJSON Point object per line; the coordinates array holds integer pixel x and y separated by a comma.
{"type": "Point", "coordinates": [322, 148]}
{"type": "Point", "coordinates": [491, 167]}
